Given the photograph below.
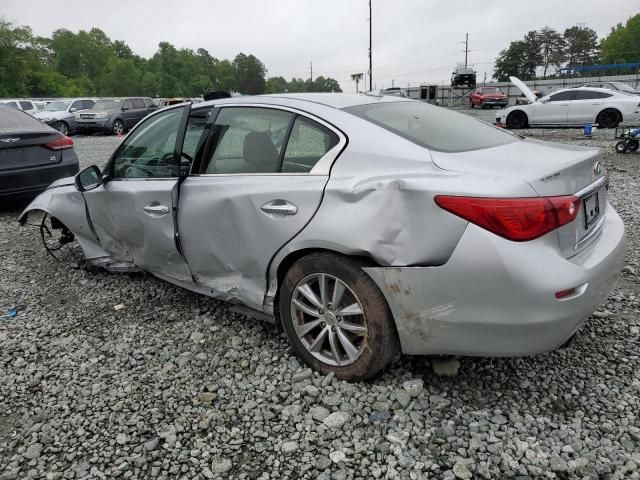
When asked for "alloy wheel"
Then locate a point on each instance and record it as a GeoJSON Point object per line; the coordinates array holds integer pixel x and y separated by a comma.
{"type": "Point", "coordinates": [118, 128]}
{"type": "Point", "coordinates": [329, 319]}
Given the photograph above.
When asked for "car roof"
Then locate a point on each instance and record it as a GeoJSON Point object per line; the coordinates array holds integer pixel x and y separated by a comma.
{"type": "Point", "coordinates": [334, 100]}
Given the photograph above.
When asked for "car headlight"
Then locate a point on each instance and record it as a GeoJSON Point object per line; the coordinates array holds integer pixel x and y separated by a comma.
{"type": "Point", "coordinates": [102, 115]}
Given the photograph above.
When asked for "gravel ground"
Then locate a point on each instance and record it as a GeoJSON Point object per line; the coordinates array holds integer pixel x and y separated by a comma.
{"type": "Point", "coordinates": [175, 385]}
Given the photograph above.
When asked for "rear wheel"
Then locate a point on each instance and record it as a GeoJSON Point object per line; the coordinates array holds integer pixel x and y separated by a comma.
{"type": "Point", "coordinates": [609, 118]}
{"type": "Point", "coordinates": [336, 317]}
{"type": "Point", "coordinates": [118, 127]}
{"type": "Point", "coordinates": [633, 145]}
{"type": "Point", "coordinates": [62, 127]}
{"type": "Point", "coordinates": [517, 119]}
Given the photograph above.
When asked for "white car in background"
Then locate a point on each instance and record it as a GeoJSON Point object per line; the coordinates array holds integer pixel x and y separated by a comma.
{"type": "Point", "coordinates": [572, 107]}
{"type": "Point", "coordinates": [26, 106]}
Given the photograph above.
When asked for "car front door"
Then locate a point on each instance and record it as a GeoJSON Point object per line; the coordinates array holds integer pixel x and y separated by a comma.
{"type": "Point", "coordinates": [585, 106]}
{"type": "Point", "coordinates": [132, 212]}
{"type": "Point", "coordinates": [555, 110]}
{"type": "Point", "coordinates": [258, 185]}
{"type": "Point", "coordinates": [128, 114]}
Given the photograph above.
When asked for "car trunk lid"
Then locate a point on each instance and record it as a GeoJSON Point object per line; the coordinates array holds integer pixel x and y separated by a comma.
{"type": "Point", "coordinates": [551, 170]}
{"type": "Point", "coordinates": [25, 150]}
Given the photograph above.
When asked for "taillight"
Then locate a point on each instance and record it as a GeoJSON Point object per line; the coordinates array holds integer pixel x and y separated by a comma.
{"type": "Point", "coordinates": [60, 143]}
{"type": "Point", "coordinates": [517, 219]}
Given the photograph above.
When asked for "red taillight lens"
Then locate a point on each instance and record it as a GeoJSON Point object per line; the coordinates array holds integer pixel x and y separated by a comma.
{"type": "Point", "coordinates": [517, 219]}
{"type": "Point", "coordinates": [60, 143]}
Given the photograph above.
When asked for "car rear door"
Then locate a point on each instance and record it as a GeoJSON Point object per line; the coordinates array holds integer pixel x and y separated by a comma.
{"type": "Point", "coordinates": [555, 110]}
{"type": "Point", "coordinates": [133, 211]}
{"type": "Point", "coordinates": [584, 107]}
{"type": "Point", "coordinates": [258, 185]}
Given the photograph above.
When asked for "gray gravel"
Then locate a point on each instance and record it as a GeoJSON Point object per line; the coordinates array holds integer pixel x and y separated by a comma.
{"type": "Point", "coordinates": [174, 385]}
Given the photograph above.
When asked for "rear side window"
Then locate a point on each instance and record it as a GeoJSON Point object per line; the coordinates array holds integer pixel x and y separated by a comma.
{"type": "Point", "coordinates": [26, 105]}
{"type": "Point", "coordinates": [308, 143]}
{"type": "Point", "coordinates": [20, 122]}
{"type": "Point", "coordinates": [433, 127]}
{"type": "Point", "coordinates": [138, 103]}
{"type": "Point", "coordinates": [149, 103]}
{"type": "Point", "coordinates": [587, 95]}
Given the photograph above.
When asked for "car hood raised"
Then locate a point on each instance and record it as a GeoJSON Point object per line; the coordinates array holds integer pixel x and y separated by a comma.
{"type": "Point", "coordinates": [524, 89]}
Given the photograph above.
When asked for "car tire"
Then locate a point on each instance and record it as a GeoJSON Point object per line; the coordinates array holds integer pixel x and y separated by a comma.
{"type": "Point", "coordinates": [472, 105]}
{"type": "Point", "coordinates": [118, 127]}
{"type": "Point", "coordinates": [609, 118]}
{"type": "Point", "coordinates": [517, 119]}
{"type": "Point", "coordinates": [62, 127]}
{"type": "Point", "coordinates": [633, 145]}
{"type": "Point", "coordinates": [371, 337]}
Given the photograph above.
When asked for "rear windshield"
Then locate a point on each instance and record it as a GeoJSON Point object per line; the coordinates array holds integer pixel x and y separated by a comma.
{"type": "Point", "coordinates": [433, 127]}
{"type": "Point", "coordinates": [107, 105]}
{"type": "Point", "coordinates": [16, 121]}
{"type": "Point", "coordinates": [491, 90]}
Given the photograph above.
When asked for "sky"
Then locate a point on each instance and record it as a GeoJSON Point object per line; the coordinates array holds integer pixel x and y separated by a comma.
{"type": "Point", "coordinates": [414, 41]}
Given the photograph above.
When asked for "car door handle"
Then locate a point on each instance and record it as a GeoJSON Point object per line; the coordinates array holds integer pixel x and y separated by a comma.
{"type": "Point", "coordinates": [155, 210]}
{"type": "Point", "coordinates": [279, 207]}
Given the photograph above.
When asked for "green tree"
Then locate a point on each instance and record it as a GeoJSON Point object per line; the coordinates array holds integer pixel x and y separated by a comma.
{"type": "Point", "coordinates": [622, 45]}
{"type": "Point", "coordinates": [250, 74]}
{"type": "Point", "coordinates": [551, 48]}
{"type": "Point", "coordinates": [581, 46]}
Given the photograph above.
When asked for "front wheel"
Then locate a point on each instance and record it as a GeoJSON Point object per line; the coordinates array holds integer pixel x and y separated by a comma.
{"type": "Point", "coordinates": [62, 127]}
{"type": "Point", "coordinates": [118, 127]}
{"type": "Point", "coordinates": [336, 317]}
{"type": "Point", "coordinates": [517, 120]}
{"type": "Point", "coordinates": [609, 118]}
{"type": "Point", "coordinates": [621, 146]}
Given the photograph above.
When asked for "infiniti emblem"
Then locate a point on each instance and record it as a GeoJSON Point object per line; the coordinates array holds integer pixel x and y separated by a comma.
{"type": "Point", "coordinates": [9, 140]}
{"type": "Point", "coordinates": [597, 168]}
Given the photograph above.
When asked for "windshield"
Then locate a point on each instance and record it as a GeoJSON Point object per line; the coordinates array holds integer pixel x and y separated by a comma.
{"type": "Point", "coordinates": [56, 106]}
{"type": "Point", "coordinates": [433, 127]}
{"type": "Point", "coordinates": [491, 90]}
{"type": "Point", "coordinates": [107, 105]}
{"type": "Point", "coordinates": [623, 87]}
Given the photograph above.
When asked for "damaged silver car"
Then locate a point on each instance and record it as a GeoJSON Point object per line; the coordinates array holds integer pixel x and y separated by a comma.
{"type": "Point", "coordinates": [368, 226]}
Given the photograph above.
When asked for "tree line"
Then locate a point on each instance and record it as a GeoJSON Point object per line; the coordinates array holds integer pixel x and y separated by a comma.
{"type": "Point", "coordinates": [546, 50]}
{"type": "Point", "coordinates": [89, 63]}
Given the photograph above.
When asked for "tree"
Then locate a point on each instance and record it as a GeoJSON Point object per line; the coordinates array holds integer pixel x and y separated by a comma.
{"type": "Point", "coordinates": [276, 85]}
{"type": "Point", "coordinates": [551, 49]}
{"type": "Point", "coordinates": [622, 45]}
{"type": "Point", "coordinates": [581, 46]}
{"type": "Point", "coordinates": [250, 73]}
{"type": "Point", "coordinates": [511, 62]}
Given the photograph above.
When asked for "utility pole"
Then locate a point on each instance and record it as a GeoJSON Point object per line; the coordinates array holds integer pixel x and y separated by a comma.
{"type": "Point", "coordinates": [466, 49]}
{"type": "Point", "coordinates": [311, 68]}
{"type": "Point", "coordinates": [370, 53]}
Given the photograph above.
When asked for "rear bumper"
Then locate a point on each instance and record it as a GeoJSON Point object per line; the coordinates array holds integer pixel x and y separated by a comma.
{"type": "Point", "coordinates": [30, 181]}
{"type": "Point", "coordinates": [497, 298]}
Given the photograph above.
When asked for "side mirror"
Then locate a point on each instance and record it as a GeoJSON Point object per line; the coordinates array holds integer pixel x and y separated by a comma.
{"type": "Point", "coordinates": [88, 179]}
{"type": "Point", "coordinates": [124, 109]}
{"type": "Point", "coordinates": [73, 109]}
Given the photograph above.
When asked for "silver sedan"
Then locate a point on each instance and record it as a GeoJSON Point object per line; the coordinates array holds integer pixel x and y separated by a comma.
{"type": "Point", "coordinates": [366, 225]}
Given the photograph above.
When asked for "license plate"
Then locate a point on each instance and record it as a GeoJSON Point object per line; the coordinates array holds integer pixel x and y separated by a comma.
{"type": "Point", "coordinates": [591, 209]}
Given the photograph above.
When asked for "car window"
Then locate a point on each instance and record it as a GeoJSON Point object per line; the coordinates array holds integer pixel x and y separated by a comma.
{"type": "Point", "coordinates": [563, 96]}
{"type": "Point", "coordinates": [248, 140]}
{"type": "Point", "coordinates": [604, 95]}
{"type": "Point", "coordinates": [587, 95]}
{"type": "Point", "coordinates": [138, 103]}
{"type": "Point", "coordinates": [148, 151]}
{"type": "Point", "coordinates": [308, 143]}
{"type": "Point", "coordinates": [20, 122]}
{"type": "Point", "coordinates": [87, 103]}
{"type": "Point", "coordinates": [433, 127]}
{"type": "Point", "coordinates": [12, 104]}
{"type": "Point", "coordinates": [77, 105]}
{"type": "Point", "coordinates": [149, 103]}
{"type": "Point", "coordinates": [127, 105]}
{"type": "Point", "coordinates": [26, 105]}
{"type": "Point", "coordinates": [195, 137]}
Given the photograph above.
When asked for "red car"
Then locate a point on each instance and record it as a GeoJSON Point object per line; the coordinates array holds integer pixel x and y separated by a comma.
{"type": "Point", "coordinates": [487, 97]}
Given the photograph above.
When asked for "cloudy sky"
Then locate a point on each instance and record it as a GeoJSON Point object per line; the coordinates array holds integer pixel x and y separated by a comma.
{"type": "Point", "coordinates": [414, 41]}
